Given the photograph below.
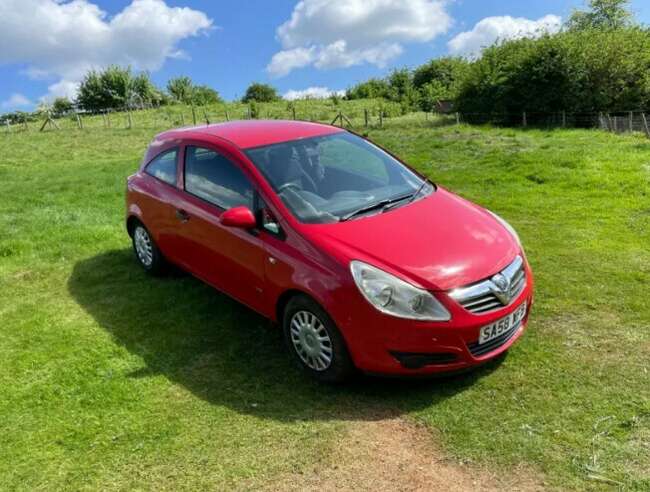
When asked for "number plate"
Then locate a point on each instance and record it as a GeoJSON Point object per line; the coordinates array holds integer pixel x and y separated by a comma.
{"type": "Point", "coordinates": [499, 327]}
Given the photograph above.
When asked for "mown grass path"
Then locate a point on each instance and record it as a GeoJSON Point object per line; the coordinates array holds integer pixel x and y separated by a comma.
{"type": "Point", "coordinates": [112, 379]}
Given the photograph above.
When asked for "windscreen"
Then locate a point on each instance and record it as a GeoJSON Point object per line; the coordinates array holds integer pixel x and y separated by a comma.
{"type": "Point", "coordinates": [334, 177]}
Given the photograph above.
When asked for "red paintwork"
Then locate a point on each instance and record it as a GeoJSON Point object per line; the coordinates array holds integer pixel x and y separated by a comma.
{"type": "Point", "coordinates": [439, 243]}
{"type": "Point", "coordinates": [241, 217]}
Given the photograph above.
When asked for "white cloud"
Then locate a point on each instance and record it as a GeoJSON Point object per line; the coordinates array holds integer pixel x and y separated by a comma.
{"type": "Point", "coordinates": [311, 93]}
{"type": "Point", "coordinates": [492, 29]}
{"type": "Point", "coordinates": [64, 40]}
{"type": "Point", "coordinates": [342, 33]}
{"type": "Point", "coordinates": [16, 100]}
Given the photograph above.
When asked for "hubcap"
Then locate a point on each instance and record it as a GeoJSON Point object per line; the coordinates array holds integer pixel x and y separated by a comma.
{"type": "Point", "coordinates": [311, 340]}
{"type": "Point", "coordinates": [143, 247]}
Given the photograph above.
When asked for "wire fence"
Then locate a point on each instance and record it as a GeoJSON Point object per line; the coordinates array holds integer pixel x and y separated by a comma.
{"type": "Point", "coordinates": [354, 116]}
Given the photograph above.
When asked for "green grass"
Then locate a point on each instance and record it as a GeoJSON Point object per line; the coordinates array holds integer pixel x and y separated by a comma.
{"type": "Point", "coordinates": [112, 379]}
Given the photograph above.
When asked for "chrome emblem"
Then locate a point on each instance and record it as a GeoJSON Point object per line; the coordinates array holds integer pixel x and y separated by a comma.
{"type": "Point", "coordinates": [501, 287]}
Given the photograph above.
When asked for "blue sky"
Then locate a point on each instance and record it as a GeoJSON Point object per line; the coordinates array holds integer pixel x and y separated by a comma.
{"type": "Point", "coordinates": [46, 46]}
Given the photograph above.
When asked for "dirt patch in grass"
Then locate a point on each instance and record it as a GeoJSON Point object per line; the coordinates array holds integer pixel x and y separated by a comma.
{"type": "Point", "coordinates": [394, 454]}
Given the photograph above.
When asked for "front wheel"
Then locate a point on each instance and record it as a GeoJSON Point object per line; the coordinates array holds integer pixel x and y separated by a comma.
{"type": "Point", "coordinates": [315, 342]}
{"type": "Point", "coordinates": [146, 251]}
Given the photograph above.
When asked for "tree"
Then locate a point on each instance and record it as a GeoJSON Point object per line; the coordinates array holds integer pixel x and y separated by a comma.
{"type": "Point", "coordinates": [115, 87]}
{"type": "Point", "coordinates": [203, 95]}
{"type": "Point", "coordinates": [370, 89]}
{"type": "Point", "coordinates": [183, 90]}
{"type": "Point", "coordinates": [260, 93]}
{"type": "Point", "coordinates": [180, 89]}
{"type": "Point", "coordinates": [602, 14]}
{"type": "Point", "coordinates": [61, 106]}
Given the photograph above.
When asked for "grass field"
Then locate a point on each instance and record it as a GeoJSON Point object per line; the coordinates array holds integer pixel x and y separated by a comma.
{"type": "Point", "coordinates": [111, 379]}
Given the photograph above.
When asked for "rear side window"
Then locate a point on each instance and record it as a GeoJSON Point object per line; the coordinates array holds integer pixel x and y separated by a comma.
{"type": "Point", "coordinates": [163, 167]}
{"type": "Point", "coordinates": [214, 178]}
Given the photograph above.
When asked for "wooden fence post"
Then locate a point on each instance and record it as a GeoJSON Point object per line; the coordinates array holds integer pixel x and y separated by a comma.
{"type": "Point", "coordinates": [609, 120]}
{"type": "Point", "coordinates": [227, 116]}
{"type": "Point", "coordinates": [457, 118]}
{"type": "Point", "coordinates": [645, 124]}
{"type": "Point", "coordinates": [205, 113]}
{"type": "Point", "coordinates": [79, 122]}
{"type": "Point", "coordinates": [524, 120]}
{"type": "Point", "coordinates": [129, 121]}
{"type": "Point", "coordinates": [182, 119]}
{"type": "Point", "coordinates": [193, 115]}
{"type": "Point", "coordinates": [631, 116]}
{"type": "Point", "coordinates": [365, 117]}
{"type": "Point", "coordinates": [293, 112]}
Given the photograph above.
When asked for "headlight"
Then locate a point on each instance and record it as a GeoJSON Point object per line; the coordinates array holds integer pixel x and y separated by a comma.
{"type": "Point", "coordinates": [396, 297]}
{"type": "Point", "coordinates": [511, 229]}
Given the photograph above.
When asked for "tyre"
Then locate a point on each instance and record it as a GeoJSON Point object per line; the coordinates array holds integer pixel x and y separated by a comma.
{"type": "Point", "coordinates": [146, 251]}
{"type": "Point", "coordinates": [315, 342]}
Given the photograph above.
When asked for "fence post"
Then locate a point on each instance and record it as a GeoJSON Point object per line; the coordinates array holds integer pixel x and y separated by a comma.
{"type": "Point", "coordinates": [207, 120]}
{"type": "Point", "coordinates": [128, 119]}
{"type": "Point", "coordinates": [182, 118]}
{"type": "Point", "coordinates": [365, 117]}
{"type": "Point", "coordinates": [381, 118]}
{"type": "Point", "coordinates": [457, 118]}
{"type": "Point", "coordinates": [645, 124]}
{"type": "Point", "coordinates": [79, 122]}
{"type": "Point", "coordinates": [227, 116]}
{"type": "Point", "coordinates": [193, 115]}
{"type": "Point", "coordinates": [524, 120]}
{"type": "Point", "coordinates": [631, 121]}
{"type": "Point", "coordinates": [293, 112]}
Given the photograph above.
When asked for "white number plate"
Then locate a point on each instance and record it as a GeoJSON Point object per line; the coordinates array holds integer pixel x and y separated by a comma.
{"type": "Point", "coordinates": [499, 327]}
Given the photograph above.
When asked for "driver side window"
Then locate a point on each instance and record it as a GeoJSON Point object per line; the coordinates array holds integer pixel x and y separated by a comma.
{"type": "Point", "coordinates": [341, 154]}
{"type": "Point", "coordinates": [215, 179]}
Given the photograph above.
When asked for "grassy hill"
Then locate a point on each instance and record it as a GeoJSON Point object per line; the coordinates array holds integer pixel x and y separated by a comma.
{"type": "Point", "coordinates": [114, 380]}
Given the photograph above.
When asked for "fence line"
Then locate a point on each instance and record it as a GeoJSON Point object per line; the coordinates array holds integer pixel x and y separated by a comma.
{"type": "Point", "coordinates": [360, 117]}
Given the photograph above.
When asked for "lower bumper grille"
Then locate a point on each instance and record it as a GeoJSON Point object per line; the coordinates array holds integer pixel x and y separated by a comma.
{"type": "Point", "coordinates": [411, 360]}
{"type": "Point", "coordinates": [484, 348]}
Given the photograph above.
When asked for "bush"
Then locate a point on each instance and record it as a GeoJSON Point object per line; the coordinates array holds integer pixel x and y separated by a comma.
{"type": "Point", "coordinates": [577, 71]}
{"type": "Point", "coordinates": [115, 87]}
{"type": "Point", "coordinates": [260, 93]}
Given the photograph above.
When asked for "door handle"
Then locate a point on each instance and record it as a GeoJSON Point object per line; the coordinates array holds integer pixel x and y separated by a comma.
{"type": "Point", "coordinates": [182, 215]}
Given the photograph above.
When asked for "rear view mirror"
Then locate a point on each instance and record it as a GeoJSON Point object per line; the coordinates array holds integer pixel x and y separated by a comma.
{"type": "Point", "coordinates": [239, 217]}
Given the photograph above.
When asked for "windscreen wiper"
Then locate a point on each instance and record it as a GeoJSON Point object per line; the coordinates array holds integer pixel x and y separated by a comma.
{"type": "Point", "coordinates": [419, 190]}
{"type": "Point", "coordinates": [382, 204]}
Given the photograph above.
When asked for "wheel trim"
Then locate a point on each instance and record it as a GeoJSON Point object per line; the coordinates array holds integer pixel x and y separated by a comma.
{"type": "Point", "coordinates": [143, 246]}
{"type": "Point", "coordinates": [311, 340]}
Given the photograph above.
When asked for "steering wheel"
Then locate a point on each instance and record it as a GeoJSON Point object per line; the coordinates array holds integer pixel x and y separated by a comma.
{"type": "Point", "coordinates": [288, 185]}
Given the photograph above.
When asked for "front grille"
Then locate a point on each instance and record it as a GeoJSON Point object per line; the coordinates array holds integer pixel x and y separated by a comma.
{"type": "Point", "coordinates": [487, 295]}
{"type": "Point", "coordinates": [482, 349]}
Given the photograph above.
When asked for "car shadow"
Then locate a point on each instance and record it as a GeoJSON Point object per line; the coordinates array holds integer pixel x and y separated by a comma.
{"type": "Point", "coordinates": [228, 355]}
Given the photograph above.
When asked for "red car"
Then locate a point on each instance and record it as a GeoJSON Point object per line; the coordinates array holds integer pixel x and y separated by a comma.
{"type": "Point", "coordinates": [364, 262]}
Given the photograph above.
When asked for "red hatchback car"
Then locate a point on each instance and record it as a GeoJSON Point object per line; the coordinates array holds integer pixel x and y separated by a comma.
{"type": "Point", "coordinates": [364, 262]}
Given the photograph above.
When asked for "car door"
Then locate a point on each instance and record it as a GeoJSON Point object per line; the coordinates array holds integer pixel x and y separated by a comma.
{"type": "Point", "coordinates": [228, 258]}
{"type": "Point", "coordinates": [157, 194]}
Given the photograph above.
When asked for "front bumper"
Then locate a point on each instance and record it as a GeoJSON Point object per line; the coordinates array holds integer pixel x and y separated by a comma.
{"type": "Point", "coordinates": [381, 344]}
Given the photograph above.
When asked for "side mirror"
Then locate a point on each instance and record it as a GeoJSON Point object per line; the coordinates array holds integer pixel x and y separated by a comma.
{"type": "Point", "coordinates": [239, 217]}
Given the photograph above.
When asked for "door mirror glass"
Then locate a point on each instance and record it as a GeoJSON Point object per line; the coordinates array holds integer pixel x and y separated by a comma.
{"type": "Point", "coordinates": [239, 217]}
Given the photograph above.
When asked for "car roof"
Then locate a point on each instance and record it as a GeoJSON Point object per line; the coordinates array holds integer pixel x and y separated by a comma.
{"type": "Point", "coordinates": [253, 133]}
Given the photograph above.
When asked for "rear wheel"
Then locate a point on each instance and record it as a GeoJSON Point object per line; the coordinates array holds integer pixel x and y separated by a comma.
{"type": "Point", "coordinates": [315, 342]}
{"type": "Point", "coordinates": [146, 251]}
